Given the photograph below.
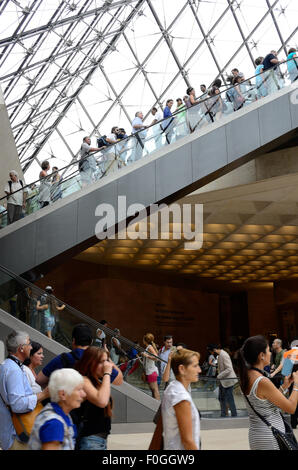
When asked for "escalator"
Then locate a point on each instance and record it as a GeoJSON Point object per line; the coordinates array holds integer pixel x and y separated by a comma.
{"type": "Point", "coordinates": [18, 302]}
{"type": "Point", "coordinates": [206, 142]}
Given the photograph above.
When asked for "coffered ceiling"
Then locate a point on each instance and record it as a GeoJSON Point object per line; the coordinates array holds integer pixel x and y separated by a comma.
{"type": "Point", "coordinates": [250, 234]}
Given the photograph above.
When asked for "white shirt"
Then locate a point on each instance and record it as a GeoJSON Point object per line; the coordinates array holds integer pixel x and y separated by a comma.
{"type": "Point", "coordinates": [16, 199]}
{"type": "Point", "coordinates": [85, 149]}
{"type": "Point", "coordinates": [174, 394]}
{"type": "Point", "coordinates": [111, 149]}
{"type": "Point", "coordinates": [164, 354]}
{"type": "Point", "coordinates": [31, 379]}
{"type": "Point", "coordinates": [138, 122]}
{"type": "Point", "coordinates": [149, 365]}
{"type": "Point", "coordinates": [158, 116]}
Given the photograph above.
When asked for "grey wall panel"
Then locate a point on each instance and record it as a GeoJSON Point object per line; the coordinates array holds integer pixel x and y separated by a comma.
{"type": "Point", "coordinates": [139, 186]}
{"type": "Point", "coordinates": [209, 152]}
{"type": "Point", "coordinates": [274, 119]}
{"type": "Point", "coordinates": [243, 135]}
{"type": "Point", "coordinates": [120, 407]}
{"type": "Point", "coordinates": [86, 209]}
{"type": "Point", "coordinates": [173, 171]}
{"type": "Point", "coordinates": [293, 103]}
{"type": "Point", "coordinates": [138, 413]}
{"type": "Point", "coordinates": [17, 249]}
{"type": "Point", "coordinates": [56, 232]}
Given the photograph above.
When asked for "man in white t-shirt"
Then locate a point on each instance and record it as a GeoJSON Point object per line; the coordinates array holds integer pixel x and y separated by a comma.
{"type": "Point", "coordinates": [157, 130]}
{"type": "Point", "coordinates": [87, 165]}
{"type": "Point", "coordinates": [164, 354]}
{"type": "Point", "coordinates": [100, 339]}
{"type": "Point", "coordinates": [110, 153]}
{"type": "Point", "coordinates": [137, 126]}
{"type": "Point", "coordinates": [16, 201]}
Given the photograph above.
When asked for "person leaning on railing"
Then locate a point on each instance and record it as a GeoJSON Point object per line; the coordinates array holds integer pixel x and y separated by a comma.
{"type": "Point", "coordinates": [45, 185]}
{"type": "Point", "coordinates": [87, 163]}
{"type": "Point", "coordinates": [292, 64]}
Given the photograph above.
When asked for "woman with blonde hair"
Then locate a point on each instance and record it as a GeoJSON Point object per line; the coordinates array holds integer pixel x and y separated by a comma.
{"type": "Point", "coordinates": [151, 370]}
{"type": "Point", "coordinates": [180, 417]}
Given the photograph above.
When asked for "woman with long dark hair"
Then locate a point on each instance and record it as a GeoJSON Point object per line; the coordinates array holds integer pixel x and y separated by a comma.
{"type": "Point", "coordinates": [35, 360]}
{"type": "Point", "coordinates": [262, 395]}
{"type": "Point", "coordinates": [93, 418]}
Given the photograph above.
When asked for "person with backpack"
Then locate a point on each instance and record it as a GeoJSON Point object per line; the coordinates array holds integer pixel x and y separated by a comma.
{"type": "Point", "coordinates": [81, 340]}
{"type": "Point", "coordinates": [87, 163]}
{"type": "Point", "coordinates": [16, 197]}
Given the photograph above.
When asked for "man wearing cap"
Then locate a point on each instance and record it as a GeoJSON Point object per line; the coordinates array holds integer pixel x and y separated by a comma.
{"type": "Point", "coordinates": [16, 197]}
{"type": "Point", "coordinates": [81, 340]}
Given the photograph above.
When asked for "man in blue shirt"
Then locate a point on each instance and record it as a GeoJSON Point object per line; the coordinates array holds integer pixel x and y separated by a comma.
{"type": "Point", "coordinates": [15, 392]}
{"type": "Point", "coordinates": [270, 71]}
{"type": "Point", "coordinates": [167, 124]}
{"type": "Point", "coordinates": [81, 340]}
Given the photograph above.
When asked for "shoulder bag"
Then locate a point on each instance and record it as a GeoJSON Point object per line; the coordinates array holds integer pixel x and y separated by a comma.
{"type": "Point", "coordinates": [286, 440]}
{"type": "Point", "coordinates": [23, 422]}
{"type": "Point", "coordinates": [157, 438]}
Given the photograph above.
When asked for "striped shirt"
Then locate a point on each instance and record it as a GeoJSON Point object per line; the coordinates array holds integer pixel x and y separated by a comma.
{"type": "Point", "coordinates": [260, 435]}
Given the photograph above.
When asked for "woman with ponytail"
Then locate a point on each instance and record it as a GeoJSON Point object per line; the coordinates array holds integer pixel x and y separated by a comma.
{"type": "Point", "coordinates": [151, 371]}
{"type": "Point", "coordinates": [261, 395]}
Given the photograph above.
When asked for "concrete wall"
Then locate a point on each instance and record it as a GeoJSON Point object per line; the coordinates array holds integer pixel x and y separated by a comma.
{"type": "Point", "coordinates": [278, 163]}
{"type": "Point", "coordinates": [138, 302]}
{"type": "Point", "coordinates": [286, 299]}
{"type": "Point", "coordinates": [9, 159]}
{"type": "Point", "coordinates": [167, 175]}
{"type": "Point", "coordinates": [263, 318]}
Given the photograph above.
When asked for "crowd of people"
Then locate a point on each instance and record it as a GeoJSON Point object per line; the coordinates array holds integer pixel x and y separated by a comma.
{"type": "Point", "coordinates": [70, 397]}
{"type": "Point", "coordinates": [114, 150]}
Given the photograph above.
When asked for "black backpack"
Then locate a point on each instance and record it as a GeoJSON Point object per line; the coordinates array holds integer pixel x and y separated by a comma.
{"type": "Point", "coordinates": [101, 141]}
{"type": "Point", "coordinates": [10, 184]}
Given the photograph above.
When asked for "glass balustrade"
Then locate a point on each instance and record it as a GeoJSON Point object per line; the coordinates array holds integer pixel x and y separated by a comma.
{"type": "Point", "coordinates": [210, 108]}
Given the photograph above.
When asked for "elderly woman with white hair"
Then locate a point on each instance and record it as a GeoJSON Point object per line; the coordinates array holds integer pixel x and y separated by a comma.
{"type": "Point", "coordinates": [53, 428]}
